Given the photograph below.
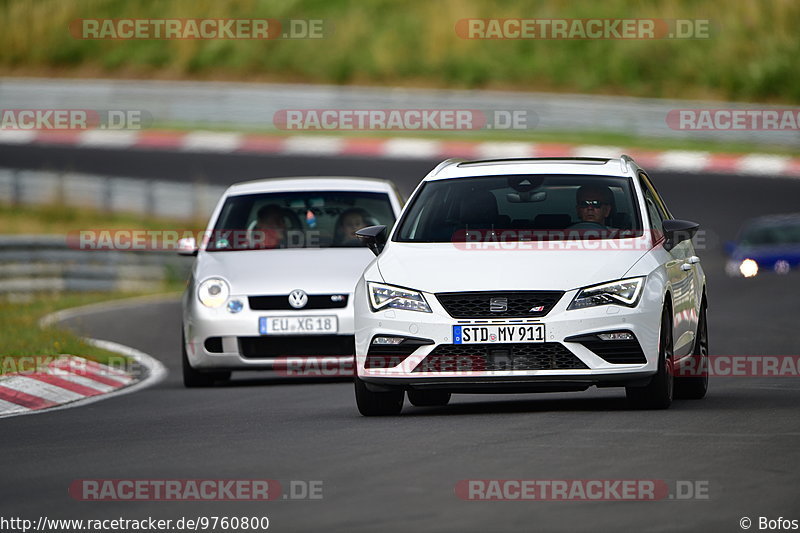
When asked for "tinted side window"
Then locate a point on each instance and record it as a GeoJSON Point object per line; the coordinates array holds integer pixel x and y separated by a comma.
{"type": "Point", "coordinates": [662, 207]}
{"type": "Point", "coordinates": [654, 213]}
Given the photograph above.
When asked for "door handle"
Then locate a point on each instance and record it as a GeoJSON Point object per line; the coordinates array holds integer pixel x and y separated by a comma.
{"type": "Point", "coordinates": [694, 260]}
{"type": "Point", "coordinates": [686, 267]}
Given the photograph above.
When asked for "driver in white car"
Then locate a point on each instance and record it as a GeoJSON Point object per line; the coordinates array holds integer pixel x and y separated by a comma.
{"type": "Point", "coordinates": [270, 228]}
{"type": "Point", "coordinates": [594, 203]}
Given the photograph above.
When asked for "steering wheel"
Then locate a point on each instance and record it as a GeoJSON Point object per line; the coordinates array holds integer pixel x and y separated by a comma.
{"type": "Point", "coordinates": [588, 225]}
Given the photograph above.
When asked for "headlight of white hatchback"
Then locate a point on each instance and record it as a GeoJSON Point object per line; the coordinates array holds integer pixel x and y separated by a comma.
{"type": "Point", "coordinates": [623, 292]}
{"type": "Point", "coordinates": [388, 296]}
{"type": "Point", "coordinates": [213, 292]}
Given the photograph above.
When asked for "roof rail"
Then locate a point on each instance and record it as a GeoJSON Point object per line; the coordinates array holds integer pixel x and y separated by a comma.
{"type": "Point", "coordinates": [626, 161]}
{"type": "Point", "coordinates": [446, 163]}
{"type": "Point", "coordinates": [534, 160]}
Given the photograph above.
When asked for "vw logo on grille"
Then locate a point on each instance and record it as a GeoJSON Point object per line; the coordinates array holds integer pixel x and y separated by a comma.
{"type": "Point", "coordinates": [498, 305]}
{"type": "Point", "coordinates": [298, 299]}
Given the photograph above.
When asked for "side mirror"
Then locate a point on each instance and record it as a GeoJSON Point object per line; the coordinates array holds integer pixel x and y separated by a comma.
{"type": "Point", "coordinates": [187, 246]}
{"type": "Point", "coordinates": [677, 231]}
{"type": "Point", "coordinates": [373, 237]}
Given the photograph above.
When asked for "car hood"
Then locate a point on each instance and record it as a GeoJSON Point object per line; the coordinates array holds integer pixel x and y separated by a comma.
{"type": "Point", "coordinates": [314, 270]}
{"type": "Point", "coordinates": [446, 268]}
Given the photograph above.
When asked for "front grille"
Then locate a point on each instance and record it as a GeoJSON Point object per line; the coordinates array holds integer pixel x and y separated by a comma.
{"type": "Point", "coordinates": [281, 302]}
{"type": "Point", "coordinates": [375, 360]}
{"type": "Point", "coordinates": [617, 352]}
{"type": "Point", "coordinates": [519, 304]}
{"type": "Point", "coordinates": [499, 357]}
{"type": "Point", "coordinates": [296, 346]}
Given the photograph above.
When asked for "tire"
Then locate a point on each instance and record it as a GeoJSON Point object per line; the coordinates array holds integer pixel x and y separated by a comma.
{"type": "Point", "coordinates": [378, 403]}
{"type": "Point", "coordinates": [658, 393]}
{"type": "Point", "coordinates": [428, 398]}
{"type": "Point", "coordinates": [194, 379]}
{"type": "Point", "coordinates": [695, 387]}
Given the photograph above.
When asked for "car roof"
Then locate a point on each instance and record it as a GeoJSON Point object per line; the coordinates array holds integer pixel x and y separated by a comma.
{"type": "Point", "coordinates": [457, 168]}
{"type": "Point", "coordinates": [310, 183]}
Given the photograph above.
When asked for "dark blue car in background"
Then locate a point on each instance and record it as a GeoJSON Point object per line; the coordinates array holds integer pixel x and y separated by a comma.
{"type": "Point", "coordinates": [766, 244]}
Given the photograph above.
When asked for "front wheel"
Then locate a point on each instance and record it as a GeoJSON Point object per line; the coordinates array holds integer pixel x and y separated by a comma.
{"type": "Point", "coordinates": [192, 378]}
{"type": "Point", "coordinates": [695, 387]}
{"type": "Point", "coordinates": [378, 403]}
{"type": "Point", "coordinates": [658, 393]}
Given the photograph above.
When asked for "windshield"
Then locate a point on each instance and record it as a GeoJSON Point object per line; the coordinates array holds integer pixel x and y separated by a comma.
{"type": "Point", "coordinates": [522, 207]}
{"type": "Point", "coordinates": [308, 219]}
{"type": "Point", "coordinates": [773, 234]}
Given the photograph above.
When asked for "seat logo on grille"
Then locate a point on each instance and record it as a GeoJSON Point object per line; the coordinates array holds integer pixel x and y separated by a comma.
{"type": "Point", "coordinates": [498, 305]}
{"type": "Point", "coordinates": [298, 299]}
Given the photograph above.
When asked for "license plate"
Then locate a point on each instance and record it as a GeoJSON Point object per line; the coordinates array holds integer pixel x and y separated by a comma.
{"type": "Point", "coordinates": [297, 325]}
{"type": "Point", "coordinates": [498, 333]}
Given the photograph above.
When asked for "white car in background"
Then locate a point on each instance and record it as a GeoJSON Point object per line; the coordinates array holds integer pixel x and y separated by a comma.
{"type": "Point", "coordinates": [275, 274]}
{"type": "Point", "coordinates": [528, 275]}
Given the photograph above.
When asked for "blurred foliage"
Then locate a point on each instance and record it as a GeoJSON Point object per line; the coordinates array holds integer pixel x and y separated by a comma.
{"type": "Point", "coordinates": [752, 54]}
{"type": "Point", "coordinates": [62, 219]}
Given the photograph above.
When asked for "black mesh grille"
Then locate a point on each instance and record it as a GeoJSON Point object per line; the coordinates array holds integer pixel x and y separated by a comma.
{"type": "Point", "coordinates": [281, 302]}
{"type": "Point", "coordinates": [494, 357]}
{"type": "Point", "coordinates": [618, 352]}
{"type": "Point", "coordinates": [375, 360]}
{"type": "Point", "coordinates": [519, 304]}
{"type": "Point", "coordinates": [297, 346]}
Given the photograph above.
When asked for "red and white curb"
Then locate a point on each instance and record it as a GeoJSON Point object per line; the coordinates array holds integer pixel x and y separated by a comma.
{"type": "Point", "coordinates": [70, 381]}
{"type": "Point", "coordinates": [65, 380]}
{"type": "Point", "coordinates": [404, 148]}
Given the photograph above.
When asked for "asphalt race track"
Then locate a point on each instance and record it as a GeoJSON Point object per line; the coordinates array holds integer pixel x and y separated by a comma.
{"type": "Point", "coordinates": [399, 474]}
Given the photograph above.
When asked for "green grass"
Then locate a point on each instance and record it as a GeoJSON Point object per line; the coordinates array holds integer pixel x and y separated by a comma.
{"type": "Point", "coordinates": [23, 338]}
{"type": "Point", "coordinates": [59, 219]}
{"type": "Point", "coordinates": [20, 313]}
{"type": "Point", "coordinates": [751, 54]}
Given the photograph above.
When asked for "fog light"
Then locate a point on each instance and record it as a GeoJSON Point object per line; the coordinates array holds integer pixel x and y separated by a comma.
{"type": "Point", "coordinates": [234, 306]}
{"type": "Point", "coordinates": [782, 267]}
{"type": "Point", "coordinates": [623, 336]}
{"type": "Point", "coordinates": [387, 340]}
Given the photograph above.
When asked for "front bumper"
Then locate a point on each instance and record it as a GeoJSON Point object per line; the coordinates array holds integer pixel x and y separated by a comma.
{"type": "Point", "coordinates": [219, 340]}
{"type": "Point", "coordinates": [437, 327]}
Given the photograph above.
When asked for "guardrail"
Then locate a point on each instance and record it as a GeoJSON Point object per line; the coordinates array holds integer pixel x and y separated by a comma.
{"type": "Point", "coordinates": [31, 263]}
{"type": "Point", "coordinates": [37, 263]}
{"type": "Point", "coordinates": [251, 106]}
{"type": "Point", "coordinates": [166, 199]}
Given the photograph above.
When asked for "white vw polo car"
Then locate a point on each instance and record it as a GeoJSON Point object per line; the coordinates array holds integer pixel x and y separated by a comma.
{"type": "Point", "coordinates": [274, 275]}
{"type": "Point", "coordinates": [525, 275]}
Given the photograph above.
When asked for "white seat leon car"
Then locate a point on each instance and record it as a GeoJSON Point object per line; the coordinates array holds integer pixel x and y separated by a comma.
{"type": "Point", "coordinates": [275, 272]}
{"type": "Point", "coordinates": [527, 275]}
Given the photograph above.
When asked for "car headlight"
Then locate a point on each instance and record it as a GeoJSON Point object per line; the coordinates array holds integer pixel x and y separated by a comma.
{"type": "Point", "coordinates": [387, 296]}
{"type": "Point", "coordinates": [213, 292]}
{"type": "Point", "coordinates": [623, 292]}
{"type": "Point", "coordinates": [749, 268]}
